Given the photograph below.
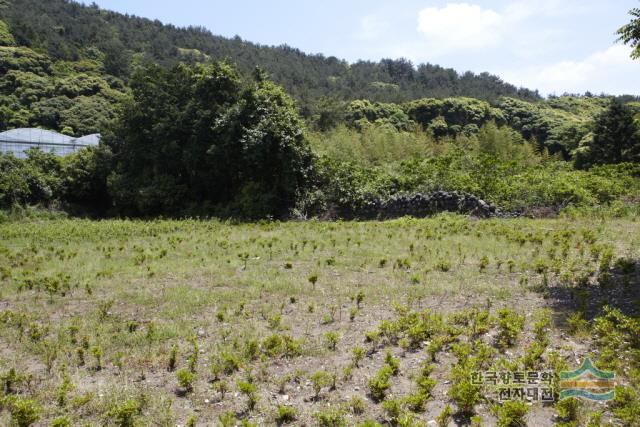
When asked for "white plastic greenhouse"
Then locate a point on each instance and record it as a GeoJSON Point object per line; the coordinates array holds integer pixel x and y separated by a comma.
{"type": "Point", "coordinates": [18, 141]}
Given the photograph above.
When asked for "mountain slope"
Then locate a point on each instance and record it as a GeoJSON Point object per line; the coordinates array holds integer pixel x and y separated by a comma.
{"type": "Point", "coordinates": [70, 31]}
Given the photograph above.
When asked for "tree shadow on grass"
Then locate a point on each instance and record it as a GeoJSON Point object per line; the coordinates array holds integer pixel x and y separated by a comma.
{"type": "Point", "coordinates": [618, 288]}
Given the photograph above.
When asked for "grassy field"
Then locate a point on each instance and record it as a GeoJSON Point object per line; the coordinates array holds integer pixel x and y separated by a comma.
{"type": "Point", "coordinates": [208, 323]}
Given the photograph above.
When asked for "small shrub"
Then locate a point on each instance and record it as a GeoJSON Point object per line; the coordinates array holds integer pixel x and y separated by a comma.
{"type": "Point", "coordinates": [480, 323]}
{"type": "Point", "coordinates": [327, 319]}
{"type": "Point", "coordinates": [416, 402]}
{"type": "Point", "coordinates": [272, 345]}
{"type": "Point", "coordinates": [577, 324]}
{"type": "Point", "coordinates": [192, 360]}
{"type": "Point", "coordinates": [393, 409]}
{"type": "Point", "coordinates": [24, 412]}
{"type": "Point", "coordinates": [11, 379]}
{"type": "Point", "coordinates": [424, 382]}
{"type": "Point", "coordinates": [392, 362]}
{"type": "Point", "coordinates": [510, 325]}
{"type": "Point", "coordinates": [285, 415]}
{"type": "Point", "coordinates": [330, 418]}
{"type": "Point", "coordinates": [372, 337]}
{"type": "Point", "coordinates": [104, 309]}
{"type": "Point", "coordinates": [347, 372]}
{"type": "Point", "coordinates": [132, 326]}
{"type": "Point", "coordinates": [626, 405]}
{"type": "Point", "coordinates": [186, 379]}
{"type": "Point", "coordinates": [61, 422]}
{"type": "Point", "coordinates": [540, 266]}
{"type": "Point", "coordinates": [466, 395]}
{"type": "Point", "coordinates": [331, 340]}
{"type": "Point", "coordinates": [358, 355]}
{"type": "Point", "coordinates": [357, 405]}
{"type": "Point", "coordinates": [275, 321]}
{"type": "Point", "coordinates": [244, 257]}
{"type": "Point", "coordinates": [250, 391]}
{"type": "Point", "coordinates": [221, 387]}
{"type": "Point", "coordinates": [173, 356]}
{"type": "Point", "coordinates": [80, 356]}
{"type": "Point", "coordinates": [443, 266]}
{"type": "Point", "coordinates": [380, 383]}
{"type": "Point", "coordinates": [64, 390]}
{"type": "Point", "coordinates": [230, 362]}
{"type": "Point", "coordinates": [434, 347]}
{"type": "Point", "coordinates": [512, 413]}
{"type": "Point", "coordinates": [313, 279]}
{"type": "Point", "coordinates": [292, 347]}
{"type": "Point", "coordinates": [319, 380]}
{"type": "Point", "coordinates": [281, 345]}
{"type": "Point", "coordinates": [96, 351]}
{"type": "Point", "coordinates": [405, 345]}
{"type": "Point", "coordinates": [568, 410]}
{"type": "Point", "coordinates": [227, 419]}
{"type": "Point", "coordinates": [445, 416]}
{"type": "Point", "coordinates": [532, 357]}
{"type": "Point", "coordinates": [625, 265]}
{"type": "Point", "coordinates": [476, 421]}
{"type": "Point", "coordinates": [484, 263]}
{"type": "Point", "coordinates": [124, 414]}
{"type": "Point", "coordinates": [540, 326]}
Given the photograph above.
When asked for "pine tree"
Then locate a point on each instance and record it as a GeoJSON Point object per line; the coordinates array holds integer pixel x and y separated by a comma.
{"type": "Point", "coordinates": [616, 138]}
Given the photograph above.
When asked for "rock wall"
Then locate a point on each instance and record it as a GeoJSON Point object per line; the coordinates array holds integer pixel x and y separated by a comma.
{"type": "Point", "coordinates": [419, 206]}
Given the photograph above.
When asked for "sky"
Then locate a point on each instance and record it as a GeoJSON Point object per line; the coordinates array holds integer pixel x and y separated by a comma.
{"type": "Point", "coordinates": [555, 46]}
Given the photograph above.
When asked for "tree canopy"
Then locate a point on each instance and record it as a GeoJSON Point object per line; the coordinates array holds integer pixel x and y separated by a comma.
{"type": "Point", "coordinates": [630, 33]}
{"type": "Point", "coordinates": [67, 30]}
{"type": "Point", "coordinates": [615, 138]}
{"type": "Point", "coordinates": [201, 136]}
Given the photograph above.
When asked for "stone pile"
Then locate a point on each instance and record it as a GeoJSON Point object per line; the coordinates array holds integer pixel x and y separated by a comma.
{"type": "Point", "coordinates": [420, 206]}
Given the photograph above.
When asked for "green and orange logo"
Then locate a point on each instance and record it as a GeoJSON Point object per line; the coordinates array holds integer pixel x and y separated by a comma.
{"type": "Point", "coordinates": [587, 382]}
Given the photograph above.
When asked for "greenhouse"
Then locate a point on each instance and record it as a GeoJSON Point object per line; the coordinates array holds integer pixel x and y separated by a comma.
{"type": "Point", "coordinates": [18, 141]}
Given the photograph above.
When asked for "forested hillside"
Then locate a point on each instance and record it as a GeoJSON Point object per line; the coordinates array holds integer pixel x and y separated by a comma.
{"type": "Point", "coordinates": [65, 66]}
{"type": "Point", "coordinates": [66, 30]}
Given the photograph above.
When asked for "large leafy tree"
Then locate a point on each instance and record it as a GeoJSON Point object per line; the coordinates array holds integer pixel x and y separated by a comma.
{"type": "Point", "coordinates": [84, 176]}
{"type": "Point", "coordinates": [453, 116]}
{"type": "Point", "coordinates": [196, 138]}
{"type": "Point", "coordinates": [616, 138]}
{"type": "Point", "coordinates": [630, 33]}
{"type": "Point", "coordinates": [34, 180]}
{"type": "Point", "coordinates": [274, 159]}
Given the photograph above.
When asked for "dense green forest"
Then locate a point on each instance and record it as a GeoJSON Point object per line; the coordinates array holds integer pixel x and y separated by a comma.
{"type": "Point", "coordinates": [69, 31]}
{"type": "Point", "coordinates": [196, 124]}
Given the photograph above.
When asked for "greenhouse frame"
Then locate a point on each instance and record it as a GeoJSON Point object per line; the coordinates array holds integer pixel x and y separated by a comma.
{"type": "Point", "coordinates": [18, 141]}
